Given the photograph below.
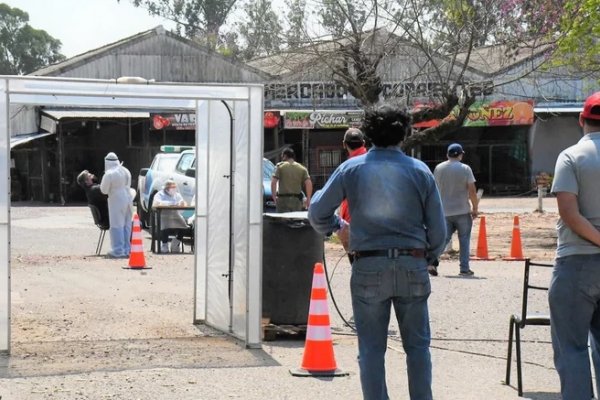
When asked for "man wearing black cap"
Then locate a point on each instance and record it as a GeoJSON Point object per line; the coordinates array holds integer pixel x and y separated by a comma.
{"type": "Point", "coordinates": [574, 294]}
{"type": "Point", "coordinates": [354, 143]}
{"type": "Point", "coordinates": [456, 183]}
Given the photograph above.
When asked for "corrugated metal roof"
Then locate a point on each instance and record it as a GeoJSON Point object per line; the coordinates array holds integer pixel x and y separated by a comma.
{"type": "Point", "coordinates": [558, 107]}
{"type": "Point", "coordinates": [22, 139]}
{"type": "Point", "coordinates": [60, 114]}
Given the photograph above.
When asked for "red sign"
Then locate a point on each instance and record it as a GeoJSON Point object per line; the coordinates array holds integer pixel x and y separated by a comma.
{"type": "Point", "coordinates": [271, 119]}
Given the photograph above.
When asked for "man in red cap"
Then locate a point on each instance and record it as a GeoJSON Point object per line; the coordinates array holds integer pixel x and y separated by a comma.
{"type": "Point", "coordinates": [354, 143]}
{"type": "Point", "coordinates": [574, 294]}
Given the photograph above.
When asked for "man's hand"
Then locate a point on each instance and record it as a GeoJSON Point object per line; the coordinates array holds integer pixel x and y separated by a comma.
{"type": "Point", "coordinates": [344, 234]}
{"type": "Point", "coordinates": [474, 213]}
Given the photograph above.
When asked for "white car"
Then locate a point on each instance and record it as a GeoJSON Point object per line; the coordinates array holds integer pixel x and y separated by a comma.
{"type": "Point", "coordinates": [150, 178]}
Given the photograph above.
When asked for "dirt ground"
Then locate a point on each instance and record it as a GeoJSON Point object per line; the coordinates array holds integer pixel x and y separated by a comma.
{"type": "Point", "coordinates": [84, 328]}
{"type": "Point", "coordinates": [537, 233]}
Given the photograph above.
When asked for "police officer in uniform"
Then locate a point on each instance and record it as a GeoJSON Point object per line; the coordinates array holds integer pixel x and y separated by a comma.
{"type": "Point", "coordinates": [287, 181]}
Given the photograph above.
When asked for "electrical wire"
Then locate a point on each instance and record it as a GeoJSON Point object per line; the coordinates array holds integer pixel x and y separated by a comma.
{"type": "Point", "coordinates": [348, 324]}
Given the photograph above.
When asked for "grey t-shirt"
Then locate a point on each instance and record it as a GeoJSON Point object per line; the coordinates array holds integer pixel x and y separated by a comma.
{"type": "Point", "coordinates": [452, 178]}
{"type": "Point", "coordinates": [578, 171]}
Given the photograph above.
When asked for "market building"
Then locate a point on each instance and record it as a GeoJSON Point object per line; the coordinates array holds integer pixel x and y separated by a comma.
{"type": "Point", "coordinates": [50, 146]}
{"type": "Point", "coordinates": [523, 117]}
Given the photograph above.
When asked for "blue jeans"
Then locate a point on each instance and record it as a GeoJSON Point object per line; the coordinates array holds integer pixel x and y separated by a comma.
{"type": "Point", "coordinates": [463, 224]}
{"type": "Point", "coordinates": [574, 298]}
{"type": "Point", "coordinates": [377, 283]}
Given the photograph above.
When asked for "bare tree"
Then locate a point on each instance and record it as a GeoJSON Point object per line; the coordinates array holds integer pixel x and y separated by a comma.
{"type": "Point", "coordinates": [447, 49]}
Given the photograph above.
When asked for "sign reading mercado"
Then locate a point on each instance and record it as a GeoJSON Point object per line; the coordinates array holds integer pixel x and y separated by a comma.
{"type": "Point", "coordinates": [321, 119]}
{"type": "Point", "coordinates": [332, 91]}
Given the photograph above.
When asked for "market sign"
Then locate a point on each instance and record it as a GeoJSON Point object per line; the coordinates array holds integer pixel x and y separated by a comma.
{"type": "Point", "coordinates": [322, 119]}
{"type": "Point", "coordinates": [336, 91]}
{"type": "Point", "coordinates": [271, 119]}
{"type": "Point", "coordinates": [500, 113]}
{"type": "Point", "coordinates": [493, 113]}
{"type": "Point", "coordinates": [177, 121]}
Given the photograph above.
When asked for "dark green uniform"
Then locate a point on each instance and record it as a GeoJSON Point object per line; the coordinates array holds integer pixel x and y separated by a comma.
{"type": "Point", "coordinates": [290, 177]}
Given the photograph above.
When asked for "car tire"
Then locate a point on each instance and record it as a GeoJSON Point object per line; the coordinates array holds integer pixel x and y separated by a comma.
{"type": "Point", "coordinates": [142, 215]}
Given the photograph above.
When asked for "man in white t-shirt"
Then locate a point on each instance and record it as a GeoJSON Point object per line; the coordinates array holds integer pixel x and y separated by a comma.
{"type": "Point", "coordinates": [456, 184]}
{"type": "Point", "coordinates": [574, 294]}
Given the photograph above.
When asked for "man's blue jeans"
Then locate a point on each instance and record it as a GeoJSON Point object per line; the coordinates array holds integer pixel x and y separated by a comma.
{"type": "Point", "coordinates": [463, 224]}
{"type": "Point", "coordinates": [377, 283]}
{"type": "Point", "coordinates": [574, 298]}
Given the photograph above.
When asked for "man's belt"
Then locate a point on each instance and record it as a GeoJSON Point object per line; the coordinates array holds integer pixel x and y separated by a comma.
{"type": "Point", "coordinates": [390, 253]}
{"type": "Point", "coordinates": [299, 195]}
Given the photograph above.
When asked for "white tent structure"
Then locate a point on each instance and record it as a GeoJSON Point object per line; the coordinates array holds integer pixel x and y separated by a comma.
{"type": "Point", "coordinates": [229, 134]}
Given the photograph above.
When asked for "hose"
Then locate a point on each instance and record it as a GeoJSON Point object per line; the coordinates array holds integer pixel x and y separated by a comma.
{"type": "Point", "coordinates": [337, 309]}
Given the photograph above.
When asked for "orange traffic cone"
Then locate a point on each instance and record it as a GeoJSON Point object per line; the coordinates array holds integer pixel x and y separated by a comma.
{"type": "Point", "coordinates": [516, 250]}
{"type": "Point", "coordinates": [318, 359]}
{"type": "Point", "coordinates": [136, 256]}
{"type": "Point", "coordinates": [482, 246]}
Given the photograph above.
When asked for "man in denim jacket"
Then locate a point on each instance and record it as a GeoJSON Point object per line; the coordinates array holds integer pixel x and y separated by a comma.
{"type": "Point", "coordinates": [398, 227]}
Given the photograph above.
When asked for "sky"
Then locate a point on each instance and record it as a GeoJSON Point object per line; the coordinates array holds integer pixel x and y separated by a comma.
{"type": "Point", "coordinates": [83, 25]}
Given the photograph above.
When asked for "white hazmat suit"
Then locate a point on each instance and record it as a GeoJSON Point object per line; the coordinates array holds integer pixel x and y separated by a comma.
{"type": "Point", "coordinates": [116, 183]}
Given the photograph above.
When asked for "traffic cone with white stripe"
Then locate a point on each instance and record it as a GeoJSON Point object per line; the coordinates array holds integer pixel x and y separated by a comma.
{"type": "Point", "coordinates": [318, 358]}
{"type": "Point", "coordinates": [136, 255]}
{"type": "Point", "coordinates": [516, 249]}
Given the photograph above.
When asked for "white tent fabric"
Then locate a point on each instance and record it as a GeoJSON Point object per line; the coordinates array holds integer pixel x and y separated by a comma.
{"type": "Point", "coordinates": [229, 145]}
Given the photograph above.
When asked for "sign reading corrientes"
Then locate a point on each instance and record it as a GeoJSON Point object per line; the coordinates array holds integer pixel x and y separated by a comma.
{"type": "Point", "coordinates": [321, 119]}
{"type": "Point", "coordinates": [178, 121]}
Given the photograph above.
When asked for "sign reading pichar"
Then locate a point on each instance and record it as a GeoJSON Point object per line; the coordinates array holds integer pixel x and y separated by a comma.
{"type": "Point", "coordinates": [321, 119]}
{"type": "Point", "coordinates": [178, 121]}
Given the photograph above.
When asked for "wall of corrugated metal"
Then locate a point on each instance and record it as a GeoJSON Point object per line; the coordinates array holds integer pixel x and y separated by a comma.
{"type": "Point", "coordinates": [165, 59]}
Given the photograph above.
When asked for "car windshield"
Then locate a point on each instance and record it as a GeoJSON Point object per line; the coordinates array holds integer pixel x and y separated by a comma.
{"type": "Point", "coordinates": [167, 162]}
{"type": "Point", "coordinates": [268, 169]}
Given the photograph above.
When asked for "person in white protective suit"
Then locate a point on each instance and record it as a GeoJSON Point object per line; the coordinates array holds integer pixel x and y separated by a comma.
{"type": "Point", "coordinates": [116, 183]}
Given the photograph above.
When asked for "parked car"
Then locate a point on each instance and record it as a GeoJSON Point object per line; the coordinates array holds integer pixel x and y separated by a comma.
{"type": "Point", "coordinates": [184, 174]}
{"type": "Point", "coordinates": [163, 163]}
{"type": "Point", "coordinates": [185, 177]}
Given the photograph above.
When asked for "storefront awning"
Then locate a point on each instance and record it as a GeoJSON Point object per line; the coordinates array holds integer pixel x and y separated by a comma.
{"type": "Point", "coordinates": [22, 139]}
{"type": "Point", "coordinates": [83, 114]}
{"type": "Point", "coordinates": [558, 107]}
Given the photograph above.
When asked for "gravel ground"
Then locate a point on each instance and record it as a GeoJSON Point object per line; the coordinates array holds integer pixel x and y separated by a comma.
{"type": "Point", "coordinates": [84, 328]}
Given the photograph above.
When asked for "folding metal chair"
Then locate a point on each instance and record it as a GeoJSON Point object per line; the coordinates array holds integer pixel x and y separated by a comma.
{"type": "Point", "coordinates": [520, 321]}
{"type": "Point", "coordinates": [101, 225]}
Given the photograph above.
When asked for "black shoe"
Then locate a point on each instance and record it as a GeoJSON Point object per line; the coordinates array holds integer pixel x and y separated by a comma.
{"type": "Point", "coordinates": [432, 269]}
{"type": "Point", "coordinates": [466, 273]}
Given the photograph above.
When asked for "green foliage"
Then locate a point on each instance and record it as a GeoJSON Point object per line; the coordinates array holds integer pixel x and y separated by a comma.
{"type": "Point", "coordinates": [24, 49]}
{"type": "Point", "coordinates": [580, 45]}
{"type": "Point", "coordinates": [342, 17]}
{"type": "Point", "coordinates": [198, 19]}
{"type": "Point", "coordinates": [296, 33]}
{"type": "Point", "coordinates": [261, 30]}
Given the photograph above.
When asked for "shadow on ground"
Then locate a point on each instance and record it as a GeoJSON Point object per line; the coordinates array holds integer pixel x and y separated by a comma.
{"type": "Point", "coordinates": [46, 358]}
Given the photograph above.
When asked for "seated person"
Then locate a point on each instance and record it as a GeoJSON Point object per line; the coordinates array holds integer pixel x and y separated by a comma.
{"type": "Point", "coordinates": [95, 197]}
{"type": "Point", "coordinates": [171, 221]}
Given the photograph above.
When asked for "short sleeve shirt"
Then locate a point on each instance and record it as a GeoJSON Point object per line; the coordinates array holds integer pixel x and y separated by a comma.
{"type": "Point", "coordinates": [291, 176]}
{"type": "Point", "coordinates": [452, 178]}
{"type": "Point", "coordinates": [577, 171]}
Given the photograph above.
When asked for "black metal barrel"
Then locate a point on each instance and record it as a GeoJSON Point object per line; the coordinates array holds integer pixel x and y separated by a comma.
{"type": "Point", "coordinates": [291, 247]}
